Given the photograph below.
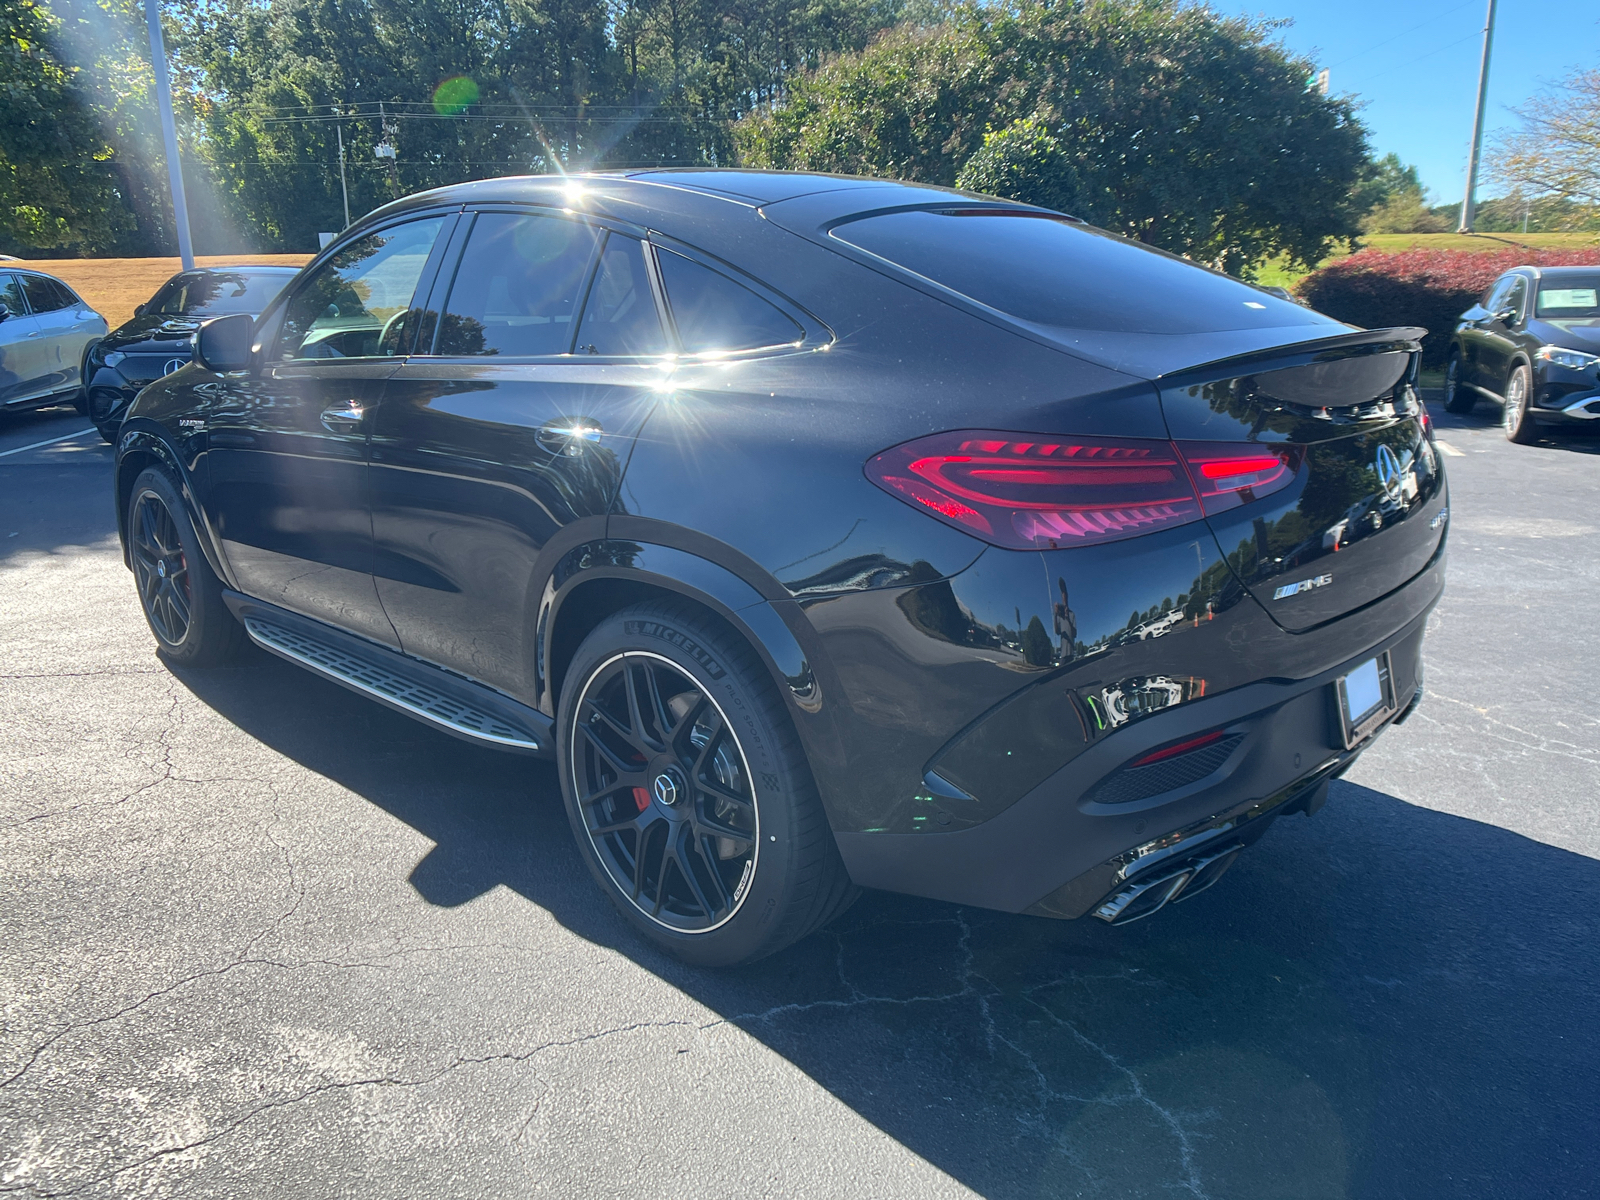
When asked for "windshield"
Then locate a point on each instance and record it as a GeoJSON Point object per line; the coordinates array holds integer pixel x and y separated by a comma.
{"type": "Point", "coordinates": [1058, 272]}
{"type": "Point", "coordinates": [218, 293]}
{"type": "Point", "coordinates": [1570, 297]}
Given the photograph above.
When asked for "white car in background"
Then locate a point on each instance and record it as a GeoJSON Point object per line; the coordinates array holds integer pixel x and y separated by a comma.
{"type": "Point", "coordinates": [45, 332]}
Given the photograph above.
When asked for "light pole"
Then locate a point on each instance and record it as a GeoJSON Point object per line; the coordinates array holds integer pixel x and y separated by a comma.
{"type": "Point", "coordinates": [1467, 204]}
{"type": "Point", "coordinates": [169, 132]}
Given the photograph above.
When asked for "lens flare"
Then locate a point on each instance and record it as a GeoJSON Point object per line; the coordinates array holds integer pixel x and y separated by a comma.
{"type": "Point", "coordinates": [455, 95]}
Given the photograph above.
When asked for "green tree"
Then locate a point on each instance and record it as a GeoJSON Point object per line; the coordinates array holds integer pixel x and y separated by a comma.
{"type": "Point", "coordinates": [58, 182]}
{"type": "Point", "coordinates": [1161, 121]}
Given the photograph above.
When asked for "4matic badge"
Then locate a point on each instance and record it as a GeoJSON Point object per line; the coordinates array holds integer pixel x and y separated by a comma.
{"type": "Point", "coordinates": [1305, 585]}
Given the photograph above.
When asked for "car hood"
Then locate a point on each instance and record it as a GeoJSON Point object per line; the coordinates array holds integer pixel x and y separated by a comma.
{"type": "Point", "coordinates": [1573, 333]}
{"type": "Point", "coordinates": [152, 334]}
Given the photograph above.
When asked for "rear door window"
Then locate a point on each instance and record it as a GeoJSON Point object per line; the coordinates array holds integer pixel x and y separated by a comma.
{"type": "Point", "coordinates": [11, 295]}
{"type": "Point", "coordinates": [620, 317]}
{"type": "Point", "coordinates": [43, 295]}
{"type": "Point", "coordinates": [1054, 271]}
{"type": "Point", "coordinates": [517, 288]}
{"type": "Point", "coordinates": [716, 315]}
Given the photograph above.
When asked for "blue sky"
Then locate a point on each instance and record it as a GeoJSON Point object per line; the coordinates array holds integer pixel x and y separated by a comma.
{"type": "Point", "coordinates": [1415, 65]}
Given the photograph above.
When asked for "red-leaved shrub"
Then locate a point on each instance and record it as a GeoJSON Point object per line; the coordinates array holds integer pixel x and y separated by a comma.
{"type": "Point", "coordinates": [1431, 288]}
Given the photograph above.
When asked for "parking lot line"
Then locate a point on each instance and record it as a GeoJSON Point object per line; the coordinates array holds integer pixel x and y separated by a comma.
{"type": "Point", "coordinates": [1449, 449]}
{"type": "Point", "coordinates": [65, 437]}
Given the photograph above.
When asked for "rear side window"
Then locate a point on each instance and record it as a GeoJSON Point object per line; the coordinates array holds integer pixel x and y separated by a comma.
{"type": "Point", "coordinates": [714, 314]}
{"type": "Point", "coordinates": [44, 295]}
{"type": "Point", "coordinates": [1056, 272]}
{"type": "Point", "coordinates": [620, 316]}
{"type": "Point", "coordinates": [516, 291]}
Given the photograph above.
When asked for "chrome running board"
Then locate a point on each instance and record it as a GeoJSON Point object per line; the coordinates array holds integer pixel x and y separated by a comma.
{"type": "Point", "coordinates": [457, 706]}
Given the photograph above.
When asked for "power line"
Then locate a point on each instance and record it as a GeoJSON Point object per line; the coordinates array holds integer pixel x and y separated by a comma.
{"type": "Point", "coordinates": [1401, 34]}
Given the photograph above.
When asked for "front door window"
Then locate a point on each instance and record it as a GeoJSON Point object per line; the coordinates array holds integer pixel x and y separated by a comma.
{"type": "Point", "coordinates": [355, 305]}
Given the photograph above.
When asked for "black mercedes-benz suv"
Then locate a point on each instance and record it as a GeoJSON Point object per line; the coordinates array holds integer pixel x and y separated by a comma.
{"type": "Point", "coordinates": [1532, 345]}
{"type": "Point", "coordinates": [155, 341]}
{"type": "Point", "coordinates": [830, 533]}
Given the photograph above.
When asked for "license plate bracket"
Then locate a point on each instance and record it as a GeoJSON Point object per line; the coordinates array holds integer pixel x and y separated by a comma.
{"type": "Point", "coordinates": [1365, 699]}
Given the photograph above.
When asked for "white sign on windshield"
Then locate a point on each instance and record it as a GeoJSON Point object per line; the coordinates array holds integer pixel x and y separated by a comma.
{"type": "Point", "coordinates": [1566, 298]}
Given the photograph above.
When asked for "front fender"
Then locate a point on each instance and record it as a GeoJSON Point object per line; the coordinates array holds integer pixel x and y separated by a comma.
{"type": "Point", "coordinates": [140, 442]}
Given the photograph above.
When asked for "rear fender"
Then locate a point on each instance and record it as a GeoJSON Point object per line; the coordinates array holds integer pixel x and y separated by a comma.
{"type": "Point", "coordinates": [775, 628]}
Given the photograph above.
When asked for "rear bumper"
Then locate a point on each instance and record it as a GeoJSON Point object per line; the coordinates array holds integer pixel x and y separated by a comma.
{"type": "Point", "coordinates": [1057, 852]}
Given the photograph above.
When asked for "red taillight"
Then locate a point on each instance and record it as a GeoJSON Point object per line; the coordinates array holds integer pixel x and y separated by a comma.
{"type": "Point", "coordinates": [1228, 474]}
{"type": "Point", "coordinates": [1031, 492]}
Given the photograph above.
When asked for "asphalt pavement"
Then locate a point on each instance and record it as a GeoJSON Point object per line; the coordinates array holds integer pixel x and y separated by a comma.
{"type": "Point", "coordinates": [262, 938]}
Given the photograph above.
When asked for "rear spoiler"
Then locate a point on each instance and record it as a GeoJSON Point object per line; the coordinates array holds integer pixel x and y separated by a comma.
{"type": "Point", "coordinates": [1406, 339]}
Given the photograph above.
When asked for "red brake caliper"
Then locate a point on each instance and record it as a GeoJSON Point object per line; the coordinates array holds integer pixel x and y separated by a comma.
{"type": "Point", "coordinates": [641, 798]}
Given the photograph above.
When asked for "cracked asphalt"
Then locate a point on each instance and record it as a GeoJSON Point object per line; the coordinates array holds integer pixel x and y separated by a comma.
{"type": "Point", "coordinates": [259, 937]}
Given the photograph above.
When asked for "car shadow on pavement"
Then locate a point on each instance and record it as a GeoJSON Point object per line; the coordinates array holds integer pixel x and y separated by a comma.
{"type": "Point", "coordinates": [1383, 1001]}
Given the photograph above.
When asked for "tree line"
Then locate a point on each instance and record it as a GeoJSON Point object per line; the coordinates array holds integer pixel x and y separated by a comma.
{"type": "Point", "coordinates": [1160, 119]}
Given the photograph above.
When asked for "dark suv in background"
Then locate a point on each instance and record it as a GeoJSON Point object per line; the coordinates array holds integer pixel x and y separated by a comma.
{"type": "Point", "coordinates": [156, 341]}
{"type": "Point", "coordinates": [1532, 345]}
{"type": "Point", "coordinates": [828, 532]}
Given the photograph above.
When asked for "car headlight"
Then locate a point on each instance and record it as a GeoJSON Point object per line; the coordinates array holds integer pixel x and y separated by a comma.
{"type": "Point", "coordinates": [113, 358]}
{"type": "Point", "coordinates": [1572, 360]}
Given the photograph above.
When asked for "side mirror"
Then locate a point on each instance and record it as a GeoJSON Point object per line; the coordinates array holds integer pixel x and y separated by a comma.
{"type": "Point", "coordinates": [138, 310]}
{"type": "Point", "coordinates": [222, 344]}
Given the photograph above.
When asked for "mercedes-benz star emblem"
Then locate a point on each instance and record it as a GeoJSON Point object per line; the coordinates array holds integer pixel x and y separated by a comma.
{"type": "Point", "coordinates": [173, 364]}
{"type": "Point", "coordinates": [1388, 468]}
{"type": "Point", "coordinates": [666, 789]}
{"type": "Point", "coordinates": [161, 568]}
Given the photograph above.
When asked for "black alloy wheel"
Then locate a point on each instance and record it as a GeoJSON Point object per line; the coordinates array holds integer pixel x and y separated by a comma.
{"type": "Point", "coordinates": [665, 792]}
{"type": "Point", "coordinates": [1520, 427]}
{"type": "Point", "coordinates": [1457, 399]}
{"type": "Point", "coordinates": [688, 791]}
{"type": "Point", "coordinates": [160, 568]}
{"type": "Point", "coordinates": [179, 592]}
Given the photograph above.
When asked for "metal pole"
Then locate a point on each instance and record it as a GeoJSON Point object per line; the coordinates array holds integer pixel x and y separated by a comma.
{"type": "Point", "coordinates": [1468, 203]}
{"type": "Point", "coordinates": [343, 186]}
{"type": "Point", "coordinates": [169, 132]}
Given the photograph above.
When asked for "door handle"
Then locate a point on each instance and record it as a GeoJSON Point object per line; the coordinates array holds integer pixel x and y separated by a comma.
{"type": "Point", "coordinates": [343, 418]}
{"type": "Point", "coordinates": [567, 435]}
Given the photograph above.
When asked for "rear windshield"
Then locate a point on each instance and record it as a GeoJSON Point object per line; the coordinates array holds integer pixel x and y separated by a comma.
{"type": "Point", "coordinates": [1056, 272]}
{"type": "Point", "coordinates": [219, 293]}
{"type": "Point", "coordinates": [1571, 297]}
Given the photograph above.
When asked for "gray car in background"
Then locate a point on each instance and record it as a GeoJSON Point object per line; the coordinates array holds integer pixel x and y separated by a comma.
{"type": "Point", "coordinates": [45, 330]}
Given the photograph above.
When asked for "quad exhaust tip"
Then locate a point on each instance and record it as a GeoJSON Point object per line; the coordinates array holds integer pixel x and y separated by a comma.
{"type": "Point", "coordinates": [1141, 897]}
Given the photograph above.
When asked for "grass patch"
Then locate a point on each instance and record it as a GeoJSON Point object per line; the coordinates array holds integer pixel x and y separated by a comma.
{"type": "Point", "coordinates": [113, 286]}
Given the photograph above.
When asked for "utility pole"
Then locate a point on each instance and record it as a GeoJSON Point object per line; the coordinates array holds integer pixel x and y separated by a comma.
{"type": "Point", "coordinates": [385, 149]}
{"type": "Point", "coordinates": [338, 128]}
{"type": "Point", "coordinates": [1467, 204]}
{"type": "Point", "coordinates": [169, 132]}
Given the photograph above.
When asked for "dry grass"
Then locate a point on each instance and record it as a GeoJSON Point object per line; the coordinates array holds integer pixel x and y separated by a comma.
{"type": "Point", "coordinates": [114, 285]}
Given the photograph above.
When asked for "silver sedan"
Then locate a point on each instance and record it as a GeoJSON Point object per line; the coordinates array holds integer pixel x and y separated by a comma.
{"type": "Point", "coordinates": [45, 332]}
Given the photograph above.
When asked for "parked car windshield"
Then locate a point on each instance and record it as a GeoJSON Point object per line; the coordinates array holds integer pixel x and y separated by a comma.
{"type": "Point", "coordinates": [1569, 298]}
{"type": "Point", "coordinates": [218, 293]}
{"type": "Point", "coordinates": [1058, 272]}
